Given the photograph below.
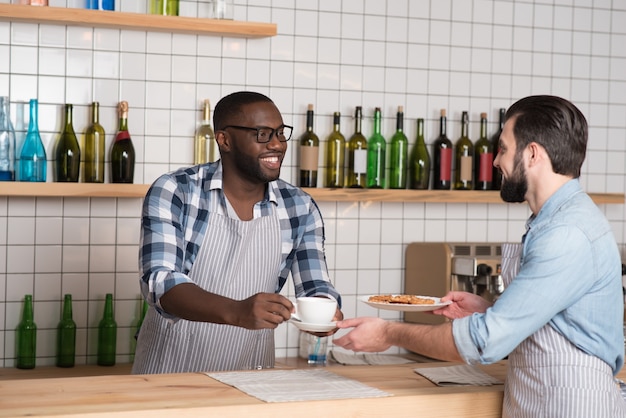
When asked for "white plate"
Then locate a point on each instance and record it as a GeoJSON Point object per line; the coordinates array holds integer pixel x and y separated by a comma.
{"type": "Point", "coordinates": [305, 326]}
{"type": "Point", "coordinates": [406, 307]}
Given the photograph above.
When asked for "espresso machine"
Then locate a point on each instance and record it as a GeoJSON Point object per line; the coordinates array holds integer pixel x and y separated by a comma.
{"type": "Point", "coordinates": [435, 268]}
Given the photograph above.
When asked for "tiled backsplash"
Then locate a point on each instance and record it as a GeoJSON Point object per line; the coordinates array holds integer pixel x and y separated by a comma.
{"type": "Point", "coordinates": [460, 55]}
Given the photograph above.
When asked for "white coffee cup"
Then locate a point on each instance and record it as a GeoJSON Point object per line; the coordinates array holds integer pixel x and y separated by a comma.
{"type": "Point", "coordinates": [313, 310]}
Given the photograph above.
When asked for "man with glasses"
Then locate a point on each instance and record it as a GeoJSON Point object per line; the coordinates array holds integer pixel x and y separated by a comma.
{"type": "Point", "coordinates": [218, 242]}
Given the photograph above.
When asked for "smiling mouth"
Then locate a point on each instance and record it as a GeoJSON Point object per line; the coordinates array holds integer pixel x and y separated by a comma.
{"type": "Point", "coordinates": [272, 162]}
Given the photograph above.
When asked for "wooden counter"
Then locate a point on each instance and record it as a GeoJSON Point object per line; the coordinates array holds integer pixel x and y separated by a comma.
{"type": "Point", "coordinates": [195, 394]}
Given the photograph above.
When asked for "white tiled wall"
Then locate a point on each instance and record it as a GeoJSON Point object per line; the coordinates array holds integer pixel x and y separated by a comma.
{"type": "Point", "coordinates": [474, 55]}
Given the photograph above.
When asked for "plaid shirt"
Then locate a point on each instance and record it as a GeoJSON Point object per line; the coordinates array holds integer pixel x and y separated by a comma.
{"type": "Point", "coordinates": [175, 216]}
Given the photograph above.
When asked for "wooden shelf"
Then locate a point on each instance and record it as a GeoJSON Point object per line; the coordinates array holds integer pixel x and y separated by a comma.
{"type": "Point", "coordinates": [134, 21]}
{"type": "Point", "coordinates": [319, 194]}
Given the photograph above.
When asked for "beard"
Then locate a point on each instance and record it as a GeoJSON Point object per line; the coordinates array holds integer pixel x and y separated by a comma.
{"type": "Point", "coordinates": [251, 168]}
{"type": "Point", "coordinates": [514, 188]}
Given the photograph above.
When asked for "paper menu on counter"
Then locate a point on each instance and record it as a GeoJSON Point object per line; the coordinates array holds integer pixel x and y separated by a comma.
{"type": "Point", "coordinates": [296, 385]}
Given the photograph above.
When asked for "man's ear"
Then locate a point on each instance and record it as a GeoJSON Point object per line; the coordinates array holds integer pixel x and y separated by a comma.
{"type": "Point", "coordinates": [222, 141]}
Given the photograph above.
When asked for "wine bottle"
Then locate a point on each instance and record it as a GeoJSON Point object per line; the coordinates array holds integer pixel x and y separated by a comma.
{"type": "Point", "coordinates": [205, 147]}
{"type": "Point", "coordinates": [107, 334]}
{"type": "Point", "coordinates": [33, 164]}
{"type": "Point", "coordinates": [356, 176]}
{"type": "Point", "coordinates": [94, 148]}
{"type": "Point", "coordinates": [122, 151]}
{"type": "Point", "coordinates": [309, 153]}
{"type": "Point", "coordinates": [464, 158]}
{"type": "Point", "coordinates": [26, 337]}
{"type": "Point", "coordinates": [376, 155]}
{"type": "Point", "coordinates": [442, 156]}
{"type": "Point", "coordinates": [67, 152]}
{"type": "Point", "coordinates": [66, 336]}
{"type": "Point", "coordinates": [398, 154]}
{"type": "Point", "coordinates": [483, 158]}
{"type": "Point", "coordinates": [335, 155]}
{"type": "Point", "coordinates": [7, 142]}
{"type": "Point", "coordinates": [495, 142]}
{"type": "Point", "coordinates": [419, 165]}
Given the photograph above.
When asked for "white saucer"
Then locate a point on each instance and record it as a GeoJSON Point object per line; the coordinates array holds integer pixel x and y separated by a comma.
{"type": "Point", "coordinates": [305, 326]}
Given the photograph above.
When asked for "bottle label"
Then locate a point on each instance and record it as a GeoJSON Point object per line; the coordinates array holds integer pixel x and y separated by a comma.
{"type": "Point", "coordinates": [360, 161]}
{"type": "Point", "coordinates": [485, 172]}
{"type": "Point", "coordinates": [445, 168]}
{"type": "Point", "coordinates": [466, 168]}
{"type": "Point", "coordinates": [309, 158]}
{"type": "Point", "coordinates": [122, 135]}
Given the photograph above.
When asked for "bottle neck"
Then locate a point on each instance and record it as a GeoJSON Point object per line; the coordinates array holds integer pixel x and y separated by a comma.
{"type": "Point", "coordinates": [108, 307]}
{"type": "Point", "coordinates": [206, 112]}
{"type": "Point", "coordinates": [68, 116]}
{"type": "Point", "coordinates": [377, 121]}
{"type": "Point", "coordinates": [502, 113]}
{"type": "Point", "coordinates": [400, 121]}
{"type": "Point", "coordinates": [123, 125]}
{"type": "Point", "coordinates": [27, 313]}
{"type": "Point", "coordinates": [464, 125]}
{"type": "Point", "coordinates": [358, 118]}
{"type": "Point", "coordinates": [442, 126]}
{"type": "Point", "coordinates": [67, 307]}
{"type": "Point", "coordinates": [309, 120]}
{"type": "Point", "coordinates": [483, 127]}
{"type": "Point", "coordinates": [420, 130]}
{"type": "Point", "coordinates": [95, 113]}
{"type": "Point", "coordinates": [336, 122]}
{"type": "Point", "coordinates": [32, 123]}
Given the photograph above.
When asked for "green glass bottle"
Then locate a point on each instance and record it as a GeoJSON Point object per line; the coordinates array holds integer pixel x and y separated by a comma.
{"type": "Point", "coordinates": [483, 158]}
{"type": "Point", "coordinates": [495, 142]}
{"type": "Point", "coordinates": [419, 165]}
{"type": "Point", "coordinates": [464, 158]}
{"type": "Point", "coordinates": [335, 155]}
{"type": "Point", "coordinates": [309, 152]}
{"type": "Point", "coordinates": [398, 154]}
{"type": "Point", "coordinates": [66, 336]}
{"type": "Point", "coordinates": [93, 170]}
{"type": "Point", "coordinates": [356, 155]}
{"type": "Point", "coordinates": [107, 334]}
{"type": "Point", "coordinates": [67, 152]}
{"type": "Point", "coordinates": [164, 7]}
{"type": "Point", "coordinates": [122, 151]}
{"type": "Point", "coordinates": [442, 156]}
{"type": "Point", "coordinates": [376, 155]}
{"type": "Point", "coordinates": [26, 337]}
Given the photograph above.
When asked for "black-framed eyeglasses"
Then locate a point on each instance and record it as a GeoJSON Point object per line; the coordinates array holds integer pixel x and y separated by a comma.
{"type": "Point", "coordinates": [264, 134]}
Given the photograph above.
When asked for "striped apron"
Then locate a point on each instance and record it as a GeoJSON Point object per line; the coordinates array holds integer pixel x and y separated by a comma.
{"type": "Point", "coordinates": [549, 377]}
{"type": "Point", "coordinates": [237, 259]}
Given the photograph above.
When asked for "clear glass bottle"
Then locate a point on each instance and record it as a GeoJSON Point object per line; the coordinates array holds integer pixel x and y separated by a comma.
{"type": "Point", "coordinates": [26, 337]}
{"type": "Point", "coordinates": [205, 147]}
{"type": "Point", "coordinates": [483, 158]}
{"type": "Point", "coordinates": [376, 155]}
{"type": "Point", "coordinates": [309, 152]}
{"type": "Point", "coordinates": [398, 154]}
{"type": "Point", "coordinates": [67, 151]}
{"type": "Point", "coordinates": [107, 334]}
{"type": "Point", "coordinates": [93, 170]}
{"type": "Point", "coordinates": [33, 164]}
{"type": "Point", "coordinates": [7, 142]}
{"type": "Point", "coordinates": [122, 151]}
{"type": "Point", "coordinates": [335, 155]}
{"type": "Point", "coordinates": [164, 7]}
{"type": "Point", "coordinates": [66, 336]}
{"type": "Point", "coordinates": [419, 165]}
{"type": "Point", "coordinates": [464, 158]}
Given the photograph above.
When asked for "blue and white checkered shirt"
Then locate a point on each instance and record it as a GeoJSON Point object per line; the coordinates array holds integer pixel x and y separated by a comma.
{"type": "Point", "coordinates": [174, 219]}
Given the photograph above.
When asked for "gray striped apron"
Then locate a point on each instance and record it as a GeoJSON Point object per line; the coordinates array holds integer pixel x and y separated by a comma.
{"type": "Point", "coordinates": [549, 377]}
{"type": "Point", "coordinates": [237, 259]}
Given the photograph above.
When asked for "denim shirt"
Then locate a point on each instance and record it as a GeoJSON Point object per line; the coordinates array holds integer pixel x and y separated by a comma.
{"type": "Point", "coordinates": [569, 277]}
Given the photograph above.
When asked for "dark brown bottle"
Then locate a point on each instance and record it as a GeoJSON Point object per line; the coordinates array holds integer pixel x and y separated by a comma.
{"type": "Point", "coordinates": [442, 157]}
{"type": "Point", "coordinates": [122, 151]}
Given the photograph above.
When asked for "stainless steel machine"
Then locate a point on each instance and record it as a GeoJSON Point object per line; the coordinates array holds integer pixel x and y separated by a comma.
{"type": "Point", "coordinates": [433, 269]}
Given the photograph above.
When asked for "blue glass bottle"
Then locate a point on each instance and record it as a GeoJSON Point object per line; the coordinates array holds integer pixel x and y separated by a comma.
{"type": "Point", "coordinates": [100, 4]}
{"type": "Point", "coordinates": [33, 156]}
{"type": "Point", "coordinates": [7, 142]}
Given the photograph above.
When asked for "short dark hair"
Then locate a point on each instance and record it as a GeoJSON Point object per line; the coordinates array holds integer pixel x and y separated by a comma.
{"type": "Point", "coordinates": [230, 106]}
{"type": "Point", "coordinates": [555, 124]}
